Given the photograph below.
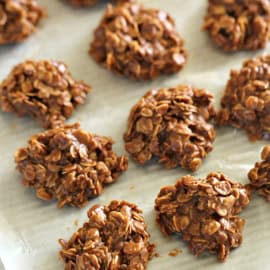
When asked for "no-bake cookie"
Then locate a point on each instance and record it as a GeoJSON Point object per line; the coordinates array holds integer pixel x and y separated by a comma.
{"type": "Point", "coordinates": [259, 176]}
{"type": "Point", "coordinates": [238, 25]}
{"type": "Point", "coordinates": [115, 237]}
{"type": "Point", "coordinates": [137, 42]}
{"type": "Point", "coordinates": [205, 213]}
{"type": "Point", "coordinates": [246, 100]}
{"type": "Point", "coordinates": [172, 124]}
{"type": "Point", "coordinates": [69, 164]}
{"type": "Point", "coordinates": [18, 19]}
{"type": "Point", "coordinates": [43, 90]}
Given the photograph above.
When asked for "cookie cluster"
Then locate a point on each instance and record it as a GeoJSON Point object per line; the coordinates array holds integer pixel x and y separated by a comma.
{"type": "Point", "coordinates": [173, 124]}
{"type": "Point", "coordinates": [205, 213]}
{"type": "Point", "coordinates": [69, 164]}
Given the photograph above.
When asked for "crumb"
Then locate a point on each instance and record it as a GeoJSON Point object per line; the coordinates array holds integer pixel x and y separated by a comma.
{"type": "Point", "coordinates": [157, 255]}
{"type": "Point", "coordinates": [175, 252]}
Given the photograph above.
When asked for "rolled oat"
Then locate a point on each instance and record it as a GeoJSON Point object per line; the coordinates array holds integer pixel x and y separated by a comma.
{"type": "Point", "coordinates": [114, 238]}
{"type": "Point", "coordinates": [138, 43]}
{"type": "Point", "coordinates": [18, 19]}
{"type": "Point", "coordinates": [235, 25]}
{"type": "Point", "coordinates": [69, 164]}
{"type": "Point", "coordinates": [259, 176]}
{"type": "Point", "coordinates": [205, 213]}
{"type": "Point", "coordinates": [246, 101]}
{"type": "Point", "coordinates": [172, 124]}
{"type": "Point", "coordinates": [44, 90]}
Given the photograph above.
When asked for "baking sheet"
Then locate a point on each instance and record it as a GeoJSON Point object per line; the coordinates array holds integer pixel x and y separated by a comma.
{"type": "Point", "coordinates": [29, 228]}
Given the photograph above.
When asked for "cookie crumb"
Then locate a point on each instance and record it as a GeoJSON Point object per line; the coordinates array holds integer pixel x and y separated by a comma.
{"type": "Point", "coordinates": [157, 255]}
{"type": "Point", "coordinates": [175, 252]}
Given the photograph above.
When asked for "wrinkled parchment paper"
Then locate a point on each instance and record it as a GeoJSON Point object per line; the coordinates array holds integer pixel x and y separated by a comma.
{"type": "Point", "coordinates": [30, 228]}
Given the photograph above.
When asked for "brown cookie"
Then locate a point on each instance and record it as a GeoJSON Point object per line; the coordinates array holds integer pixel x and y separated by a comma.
{"type": "Point", "coordinates": [259, 176]}
{"type": "Point", "coordinates": [204, 212]}
{"type": "Point", "coordinates": [138, 43]}
{"type": "Point", "coordinates": [238, 25]}
{"type": "Point", "coordinates": [18, 19]}
{"type": "Point", "coordinates": [246, 100]}
{"type": "Point", "coordinates": [115, 237]}
{"type": "Point", "coordinates": [172, 124]}
{"type": "Point", "coordinates": [69, 164]}
{"type": "Point", "coordinates": [43, 90]}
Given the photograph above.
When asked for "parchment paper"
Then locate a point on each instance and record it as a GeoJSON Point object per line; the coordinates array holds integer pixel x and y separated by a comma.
{"type": "Point", "coordinates": [30, 228]}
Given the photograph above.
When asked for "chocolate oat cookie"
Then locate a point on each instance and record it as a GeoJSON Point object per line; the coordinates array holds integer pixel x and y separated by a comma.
{"type": "Point", "coordinates": [205, 213]}
{"type": "Point", "coordinates": [43, 90]}
{"type": "Point", "coordinates": [69, 164]}
{"type": "Point", "coordinates": [18, 19]}
{"type": "Point", "coordinates": [246, 101]}
{"type": "Point", "coordinates": [114, 238]}
{"type": "Point", "coordinates": [172, 124]}
{"type": "Point", "coordinates": [85, 3]}
{"type": "Point", "coordinates": [138, 43]}
{"type": "Point", "coordinates": [235, 25]}
{"type": "Point", "coordinates": [259, 176]}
